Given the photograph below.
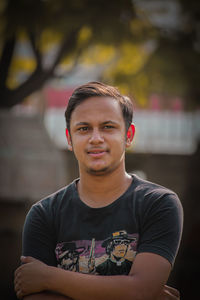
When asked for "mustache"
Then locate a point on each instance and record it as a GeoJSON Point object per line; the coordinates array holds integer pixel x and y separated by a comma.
{"type": "Point", "coordinates": [95, 149]}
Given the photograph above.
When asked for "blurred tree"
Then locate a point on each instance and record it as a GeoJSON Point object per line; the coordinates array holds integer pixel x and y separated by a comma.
{"type": "Point", "coordinates": [144, 47]}
{"type": "Point", "coordinates": [74, 24]}
{"type": "Point", "coordinates": [170, 57]}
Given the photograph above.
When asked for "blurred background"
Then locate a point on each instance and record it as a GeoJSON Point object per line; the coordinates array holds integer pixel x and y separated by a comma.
{"type": "Point", "coordinates": [150, 50]}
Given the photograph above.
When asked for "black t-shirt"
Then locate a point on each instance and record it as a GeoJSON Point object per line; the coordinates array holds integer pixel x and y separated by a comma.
{"type": "Point", "coordinates": [63, 231]}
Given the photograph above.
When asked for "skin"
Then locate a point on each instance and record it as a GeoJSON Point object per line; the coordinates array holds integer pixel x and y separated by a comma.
{"type": "Point", "coordinates": [119, 251]}
{"type": "Point", "coordinates": [98, 139]}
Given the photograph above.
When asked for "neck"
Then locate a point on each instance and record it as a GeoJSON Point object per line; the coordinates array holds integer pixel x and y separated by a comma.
{"type": "Point", "coordinates": [99, 191]}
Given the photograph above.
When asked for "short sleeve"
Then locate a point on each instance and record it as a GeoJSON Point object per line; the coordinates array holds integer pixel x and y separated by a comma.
{"type": "Point", "coordinates": [161, 226]}
{"type": "Point", "coordinates": [38, 238]}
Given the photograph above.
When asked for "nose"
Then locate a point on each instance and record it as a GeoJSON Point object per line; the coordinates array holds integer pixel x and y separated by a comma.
{"type": "Point", "coordinates": [96, 137]}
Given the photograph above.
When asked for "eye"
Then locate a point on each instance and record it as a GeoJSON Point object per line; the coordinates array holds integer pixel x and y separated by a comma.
{"type": "Point", "coordinates": [108, 126]}
{"type": "Point", "coordinates": [84, 128]}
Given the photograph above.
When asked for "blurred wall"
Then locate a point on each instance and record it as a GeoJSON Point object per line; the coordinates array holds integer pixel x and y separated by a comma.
{"type": "Point", "coordinates": [31, 167]}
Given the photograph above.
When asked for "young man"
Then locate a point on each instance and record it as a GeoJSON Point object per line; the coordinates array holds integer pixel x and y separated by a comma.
{"type": "Point", "coordinates": [107, 222]}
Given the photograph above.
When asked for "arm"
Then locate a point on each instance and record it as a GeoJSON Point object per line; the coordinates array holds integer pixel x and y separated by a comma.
{"type": "Point", "coordinates": [38, 241]}
{"type": "Point", "coordinates": [46, 296]}
{"type": "Point", "coordinates": [146, 280]}
{"type": "Point", "coordinates": [148, 275]}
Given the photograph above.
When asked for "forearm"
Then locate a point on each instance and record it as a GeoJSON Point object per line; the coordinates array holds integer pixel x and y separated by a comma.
{"type": "Point", "coordinates": [87, 287]}
{"type": "Point", "coordinates": [147, 277]}
{"type": "Point", "coordinates": [46, 296]}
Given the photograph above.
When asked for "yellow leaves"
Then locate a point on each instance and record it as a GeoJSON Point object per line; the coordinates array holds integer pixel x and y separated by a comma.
{"type": "Point", "coordinates": [122, 64]}
{"type": "Point", "coordinates": [124, 88]}
{"type": "Point", "coordinates": [98, 54]}
{"type": "Point", "coordinates": [67, 61]}
{"type": "Point", "coordinates": [19, 64]}
{"type": "Point", "coordinates": [84, 35]}
{"type": "Point", "coordinates": [141, 87]}
{"type": "Point", "coordinates": [82, 39]}
{"type": "Point", "coordinates": [132, 58]}
{"type": "Point", "coordinates": [12, 82]}
{"type": "Point", "coordinates": [26, 64]}
{"type": "Point", "coordinates": [49, 39]}
{"type": "Point", "coordinates": [142, 98]}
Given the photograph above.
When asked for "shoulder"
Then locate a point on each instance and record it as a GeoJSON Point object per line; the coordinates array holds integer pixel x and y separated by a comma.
{"type": "Point", "coordinates": [159, 215]}
{"type": "Point", "coordinates": [149, 194]}
{"type": "Point", "coordinates": [148, 187]}
{"type": "Point", "coordinates": [53, 202]}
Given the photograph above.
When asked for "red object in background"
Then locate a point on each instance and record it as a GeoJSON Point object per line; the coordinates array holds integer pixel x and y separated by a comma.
{"type": "Point", "coordinates": [177, 104]}
{"type": "Point", "coordinates": [155, 102]}
{"type": "Point", "coordinates": [57, 97]}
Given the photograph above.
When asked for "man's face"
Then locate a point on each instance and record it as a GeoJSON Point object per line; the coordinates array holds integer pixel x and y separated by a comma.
{"type": "Point", "coordinates": [98, 135]}
{"type": "Point", "coordinates": [120, 249]}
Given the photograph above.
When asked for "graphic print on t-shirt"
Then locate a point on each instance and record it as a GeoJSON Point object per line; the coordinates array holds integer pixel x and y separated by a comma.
{"type": "Point", "coordinates": [112, 256]}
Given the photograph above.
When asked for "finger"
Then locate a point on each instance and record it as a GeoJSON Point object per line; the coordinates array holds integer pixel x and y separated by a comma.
{"type": "Point", "coordinates": [172, 290]}
{"type": "Point", "coordinates": [20, 291]}
{"type": "Point", "coordinates": [170, 296]}
{"type": "Point", "coordinates": [167, 295]}
{"type": "Point", "coordinates": [16, 272]}
{"type": "Point", "coordinates": [26, 259]}
{"type": "Point", "coordinates": [19, 294]}
{"type": "Point", "coordinates": [16, 278]}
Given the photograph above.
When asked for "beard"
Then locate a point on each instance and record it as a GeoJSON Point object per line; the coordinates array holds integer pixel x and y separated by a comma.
{"type": "Point", "coordinates": [100, 172]}
{"type": "Point", "coordinates": [103, 171]}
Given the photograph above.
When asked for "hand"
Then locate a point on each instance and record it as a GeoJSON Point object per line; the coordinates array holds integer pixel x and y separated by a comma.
{"type": "Point", "coordinates": [30, 277]}
{"type": "Point", "coordinates": [169, 293]}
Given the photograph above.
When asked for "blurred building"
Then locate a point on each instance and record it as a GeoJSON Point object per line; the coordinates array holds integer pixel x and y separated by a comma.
{"type": "Point", "coordinates": [159, 129]}
{"type": "Point", "coordinates": [31, 167]}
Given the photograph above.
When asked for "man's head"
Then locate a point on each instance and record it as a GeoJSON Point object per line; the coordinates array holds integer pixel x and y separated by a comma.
{"type": "Point", "coordinates": [117, 244]}
{"type": "Point", "coordinates": [99, 128]}
{"type": "Point", "coordinates": [98, 89]}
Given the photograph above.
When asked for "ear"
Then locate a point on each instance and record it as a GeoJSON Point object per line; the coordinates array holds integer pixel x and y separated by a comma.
{"type": "Point", "coordinates": [130, 135]}
{"type": "Point", "coordinates": [69, 142]}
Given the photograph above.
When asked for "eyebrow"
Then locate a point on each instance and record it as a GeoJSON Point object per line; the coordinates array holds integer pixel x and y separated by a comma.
{"type": "Point", "coordinates": [103, 123]}
{"type": "Point", "coordinates": [81, 123]}
{"type": "Point", "coordinates": [110, 122]}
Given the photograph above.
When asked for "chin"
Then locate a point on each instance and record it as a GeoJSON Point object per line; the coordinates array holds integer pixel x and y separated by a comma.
{"type": "Point", "coordinates": [99, 172]}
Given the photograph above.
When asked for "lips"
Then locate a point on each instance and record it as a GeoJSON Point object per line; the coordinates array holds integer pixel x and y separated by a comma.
{"type": "Point", "coordinates": [97, 152]}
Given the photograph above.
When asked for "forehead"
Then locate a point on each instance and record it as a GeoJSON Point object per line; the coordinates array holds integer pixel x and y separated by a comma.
{"type": "Point", "coordinates": [98, 108]}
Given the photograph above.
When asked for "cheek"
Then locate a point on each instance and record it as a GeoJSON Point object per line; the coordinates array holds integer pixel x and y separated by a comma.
{"type": "Point", "coordinates": [78, 147]}
{"type": "Point", "coordinates": [77, 143]}
{"type": "Point", "coordinates": [119, 145]}
{"type": "Point", "coordinates": [118, 137]}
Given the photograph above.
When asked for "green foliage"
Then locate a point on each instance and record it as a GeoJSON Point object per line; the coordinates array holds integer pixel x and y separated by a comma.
{"type": "Point", "coordinates": [119, 36]}
{"type": "Point", "coordinates": [73, 24]}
